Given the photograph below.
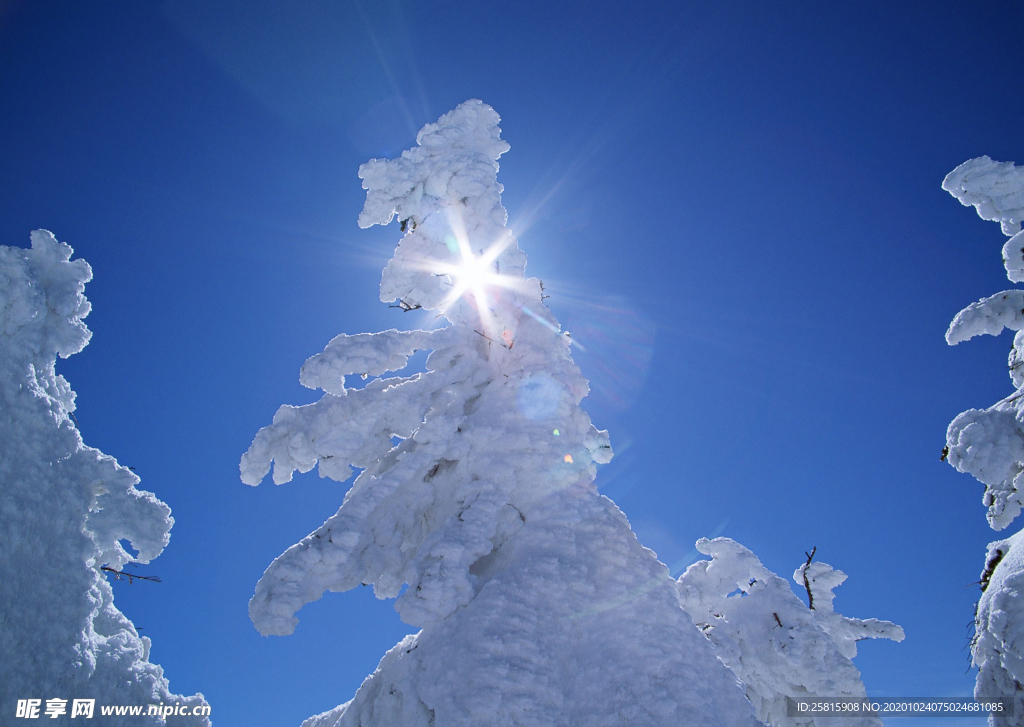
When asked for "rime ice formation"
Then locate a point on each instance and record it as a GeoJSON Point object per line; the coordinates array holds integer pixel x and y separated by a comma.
{"type": "Point", "coordinates": [994, 189]}
{"type": "Point", "coordinates": [774, 643]}
{"type": "Point", "coordinates": [820, 579]}
{"type": "Point", "coordinates": [998, 646]}
{"type": "Point", "coordinates": [989, 443]}
{"type": "Point", "coordinates": [476, 506]}
{"type": "Point", "coordinates": [64, 507]}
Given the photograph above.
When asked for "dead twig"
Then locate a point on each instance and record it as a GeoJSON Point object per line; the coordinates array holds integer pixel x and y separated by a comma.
{"type": "Point", "coordinates": [405, 307]}
{"type": "Point", "coordinates": [807, 583]}
{"type": "Point", "coordinates": [492, 340]}
{"type": "Point", "coordinates": [130, 576]}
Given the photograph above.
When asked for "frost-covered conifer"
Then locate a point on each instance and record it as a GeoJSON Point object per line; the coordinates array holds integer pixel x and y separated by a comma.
{"type": "Point", "coordinates": [774, 643]}
{"type": "Point", "coordinates": [476, 506]}
{"type": "Point", "coordinates": [64, 507]}
{"type": "Point", "coordinates": [989, 443]}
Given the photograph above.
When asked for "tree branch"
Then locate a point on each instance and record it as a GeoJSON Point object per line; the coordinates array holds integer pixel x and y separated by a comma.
{"type": "Point", "coordinates": [130, 576]}
{"type": "Point", "coordinates": [405, 307]}
{"type": "Point", "coordinates": [807, 583]}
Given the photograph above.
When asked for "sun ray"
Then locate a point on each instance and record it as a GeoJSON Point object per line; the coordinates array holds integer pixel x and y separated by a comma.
{"type": "Point", "coordinates": [474, 274]}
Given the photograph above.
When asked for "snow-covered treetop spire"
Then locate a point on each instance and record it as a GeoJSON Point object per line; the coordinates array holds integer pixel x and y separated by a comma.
{"type": "Point", "coordinates": [423, 178]}
{"type": "Point", "coordinates": [446, 194]}
{"type": "Point", "coordinates": [476, 506]}
{"type": "Point", "coordinates": [502, 365]}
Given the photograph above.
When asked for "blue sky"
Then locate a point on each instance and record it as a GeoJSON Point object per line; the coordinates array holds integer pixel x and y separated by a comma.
{"type": "Point", "coordinates": [736, 208]}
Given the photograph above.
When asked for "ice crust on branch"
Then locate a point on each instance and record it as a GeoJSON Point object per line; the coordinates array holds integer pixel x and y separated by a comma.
{"type": "Point", "coordinates": [822, 579]}
{"type": "Point", "coordinates": [368, 354]}
{"type": "Point", "coordinates": [64, 508]}
{"type": "Point", "coordinates": [536, 603]}
{"type": "Point", "coordinates": [989, 316]}
{"type": "Point", "coordinates": [994, 189]}
{"type": "Point", "coordinates": [774, 643]}
{"type": "Point", "coordinates": [989, 443]}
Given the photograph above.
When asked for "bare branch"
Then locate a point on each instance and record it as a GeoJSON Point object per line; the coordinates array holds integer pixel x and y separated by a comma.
{"type": "Point", "coordinates": [493, 340]}
{"type": "Point", "coordinates": [807, 583]}
{"type": "Point", "coordinates": [405, 307]}
{"type": "Point", "coordinates": [130, 576]}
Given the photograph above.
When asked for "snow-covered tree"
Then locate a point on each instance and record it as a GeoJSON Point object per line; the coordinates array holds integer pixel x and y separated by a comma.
{"type": "Point", "coordinates": [476, 507]}
{"type": "Point", "coordinates": [64, 508]}
{"type": "Point", "coordinates": [775, 644]}
{"type": "Point", "coordinates": [989, 443]}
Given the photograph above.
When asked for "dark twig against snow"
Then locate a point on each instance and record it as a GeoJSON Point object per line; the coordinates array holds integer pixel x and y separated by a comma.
{"type": "Point", "coordinates": [807, 583]}
{"type": "Point", "coordinates": [118, 574]}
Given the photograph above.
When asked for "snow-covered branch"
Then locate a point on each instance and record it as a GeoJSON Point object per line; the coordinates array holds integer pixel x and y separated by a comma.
{"type": "Point", "coordinates": [821, 579]}
{"type": "Point", "coordinates": [775, 644]}
{"type": "Point", "coordinates": [994, 189]}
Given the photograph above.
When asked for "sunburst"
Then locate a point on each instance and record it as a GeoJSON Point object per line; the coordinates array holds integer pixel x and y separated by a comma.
{"type": "Point", "coordinates": [475, 273]}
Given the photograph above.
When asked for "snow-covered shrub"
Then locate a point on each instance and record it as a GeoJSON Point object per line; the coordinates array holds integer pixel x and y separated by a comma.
{"type": "Point", "coordinates": [774, 643]}
{"type": "Point", "coordinates": [536, 603]}
{"type": "Point", "coordinates": [989, 443]}
{"type": "Point", "coordinates": [64, 507]}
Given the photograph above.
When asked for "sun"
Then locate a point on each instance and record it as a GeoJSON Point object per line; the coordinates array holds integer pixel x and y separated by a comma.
{"type": "Point", "coordinates": [474, 274]}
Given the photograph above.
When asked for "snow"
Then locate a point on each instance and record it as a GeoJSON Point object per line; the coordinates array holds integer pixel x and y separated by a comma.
{"type": "Point", "coordinates": [1013, 257]}
{"type": "Point", "coordinates": [988, 316]}
{"type": "Point", "coordinates": [536, 603]}
{"type": "Point", "coordinates": [989, 443]}
{"type": "Point", "coordinates": [64, 508]}
{"type": "Point", "coordinates": [998, 648]}
{"type": "Point", "coordinates": [774, 643]}
{"type": "Point", "coordinates": [820, 579]}
{"type": "Point", "coordinates": [367, 354]}
{"type": "Point", "coordinates": [994, 189]}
